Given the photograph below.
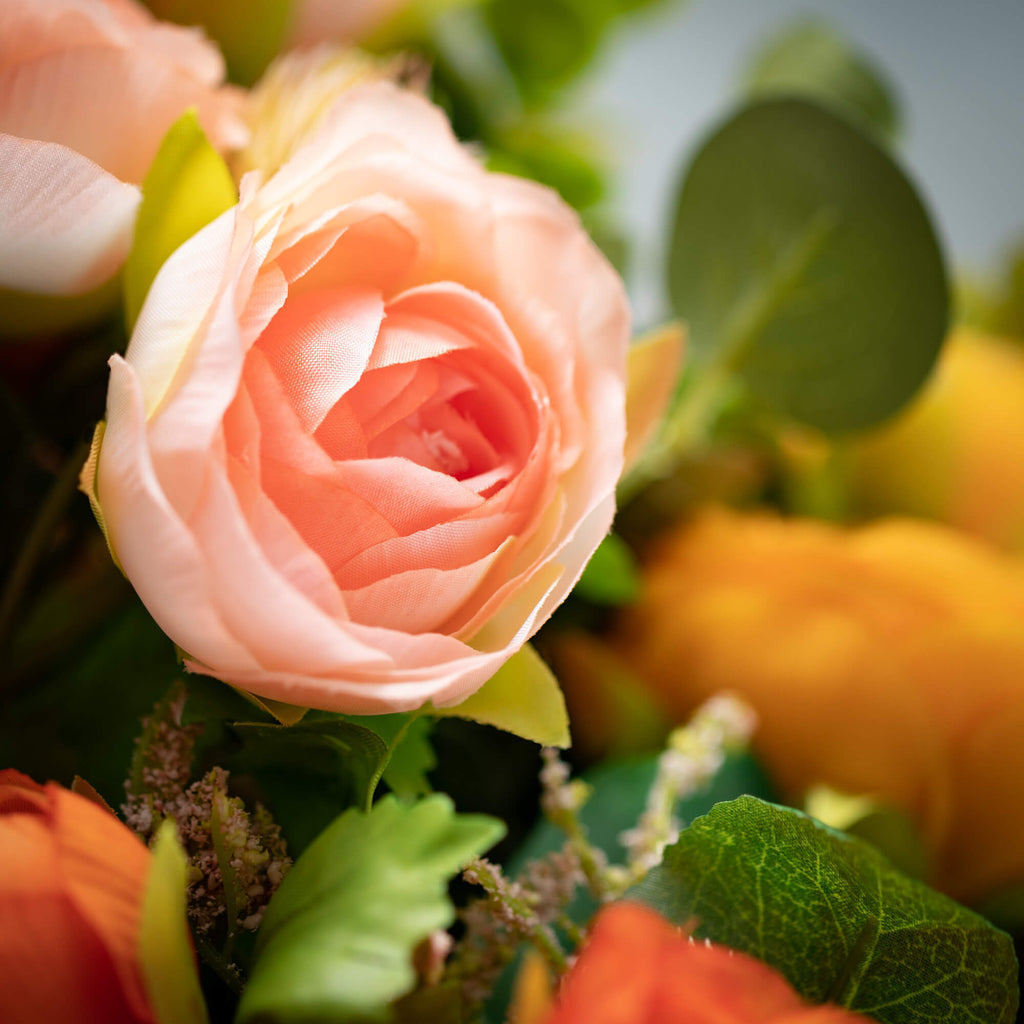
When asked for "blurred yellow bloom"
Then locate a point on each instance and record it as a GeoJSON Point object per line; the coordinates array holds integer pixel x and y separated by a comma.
{"type": "Point", "coordinates": [886, 661]}
{"type": "Point", "coordinates": [957, 453]}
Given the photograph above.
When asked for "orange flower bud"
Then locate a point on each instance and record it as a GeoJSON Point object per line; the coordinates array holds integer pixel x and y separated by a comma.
{"type": "Point", "coordinates": [71, 893]}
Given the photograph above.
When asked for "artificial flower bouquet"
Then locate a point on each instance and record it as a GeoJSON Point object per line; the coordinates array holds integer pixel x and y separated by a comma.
{"type": "Point", "coordinates": [422, 645]}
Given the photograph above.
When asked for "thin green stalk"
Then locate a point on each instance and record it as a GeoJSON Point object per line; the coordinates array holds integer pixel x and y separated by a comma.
{"type": "Point", "coordinates": [221, 966]}
{"type": "Point", "coordinates": [227, 874]}
{"type": "Point", "coordinates": [39, 538]}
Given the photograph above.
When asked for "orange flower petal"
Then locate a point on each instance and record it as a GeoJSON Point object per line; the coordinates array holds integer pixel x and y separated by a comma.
{"type": "Point", "coordinates": [639, 969]}
{"type": "Point", "coordinates": [70, 897]}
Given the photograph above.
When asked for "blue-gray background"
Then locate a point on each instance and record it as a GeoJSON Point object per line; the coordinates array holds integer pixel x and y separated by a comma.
{"type": "Point", "coordinates": [956, 67]}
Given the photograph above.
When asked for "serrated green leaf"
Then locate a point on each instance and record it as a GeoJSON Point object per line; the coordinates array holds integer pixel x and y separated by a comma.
{"type": "Point", "coordinates": [611, 576]}
{"type": "Point", "coordinates": [833, 915]}
{"type": "Point", "coordinates": [186, 187]}
{"type": "Point", "coordinates": [310, 772]}
{"type": "Point", "coordinates": [522, 697]}
{"type": "Point", "coordinates": [337, 940]}
{"type": "Point", "coordinates": [810, 57]}
{"type": "Point", "coordinates": [410, 755]}
{"type": "Point", "coordinates": [806, 266]}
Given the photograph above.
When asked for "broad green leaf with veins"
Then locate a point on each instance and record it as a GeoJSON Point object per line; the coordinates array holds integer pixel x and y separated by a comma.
{"type": "Point", "coordinates": [337, 940]}
{"type": "Point", "coordinates": [834, 916]}
{"type": "Point", "coordinates": [806, 267]}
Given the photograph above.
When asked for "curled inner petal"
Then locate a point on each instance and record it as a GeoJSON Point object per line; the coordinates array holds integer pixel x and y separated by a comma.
{"type": "Point", "coordinates": [385, 433]}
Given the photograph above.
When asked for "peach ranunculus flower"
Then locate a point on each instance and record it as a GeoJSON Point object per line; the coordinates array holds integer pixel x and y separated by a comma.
{"type": "Point", "coordinates": [370, 422]}
{"type": "Point", "coordinates": [636, 968]}
{"type": "Point", "coordinates": [88, 88]}
{"type": "Point", "coordinates": [71, 912]}
{"type": "Point", "coordinates": [886, 661]}
{"type": "Point", "coordinates": [956, 453]}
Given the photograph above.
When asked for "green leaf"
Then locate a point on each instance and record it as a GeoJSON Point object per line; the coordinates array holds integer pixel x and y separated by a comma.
{"type": "Point", "coordinates": [310, 772]}
{"type": "Point", "coordinates": [833, 915]}
{"type": "Point", "coordinates": [806, 265]}
{"type": "Point", "coordinates": [410, 755]}
{"type": "Point", "coordinates": [336, 943]}
{"type": "Point", "coordinates": [250, 33]}
{"type": "Point", "coordinates": [811, 58]}
{"type": "Point", "coordinates": [522, 697]}
{"type": "Point", "coordinates": [165, 946]}
{"type": "Point", "coordinates": [887, 828]}
{"type": "Point", "coordinates": [611, 576]}
{"type": "Point", "coordinates": [547, 42]}
{"type": "Point", "coordinates": [187, 186]}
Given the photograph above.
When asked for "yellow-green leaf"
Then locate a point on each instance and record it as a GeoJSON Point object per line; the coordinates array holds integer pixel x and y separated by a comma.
{"type": "Point", "coordinates": [165, 950]}
{"type": "Point", "coordinates": [87, 484]}
{"type": "Point", "coordinates": [655, 361]}
{"type": "Point", "coordinates": [522, 697]}
{"type": "Point", "coordinates": [286, 714]}
{"type": "Point", "coordinates": [187, 186]}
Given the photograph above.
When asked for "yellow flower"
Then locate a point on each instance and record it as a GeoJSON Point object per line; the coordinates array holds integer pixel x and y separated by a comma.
{"type": "Point", "coordinates": [886, 661]}
{"type": "Point", "coordinates": [956, 454]}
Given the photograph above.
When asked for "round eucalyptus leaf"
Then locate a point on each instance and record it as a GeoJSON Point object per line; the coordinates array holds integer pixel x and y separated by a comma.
{"type": "Point", "coordinates": [811, 58]}
{"type": "Point", "coordinates": [805, 263]}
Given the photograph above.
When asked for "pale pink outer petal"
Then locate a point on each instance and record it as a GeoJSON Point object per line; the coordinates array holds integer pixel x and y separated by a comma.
{"type": "Point", "coordinates": [66, 225]}
{"type": "Point", "coordinates": [112, 105]}
{"type": "Point", "coordinates": [190, 341]}
{"type": "Point", "coordinates": [284, 629]}
{"type": "Point", "coordinates": [178, 306]}
{"type": "Point", "coordinates": [158, 553]}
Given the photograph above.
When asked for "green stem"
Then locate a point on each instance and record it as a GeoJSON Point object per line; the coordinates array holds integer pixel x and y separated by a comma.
{"type": "Point", "coordinates": [572, 930]}
{"type": "Point", "coordinates": [39, 538]}
{"type": "Point", "coordinates": [545, 943]}
{"type": "Point", "coordinates": [593, 868]}
{"type": "Point", "coordinates": [221, 966]}
{"type": "Point", "coordinates": [227, 874]}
